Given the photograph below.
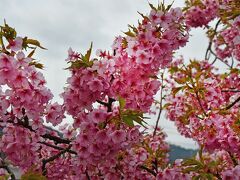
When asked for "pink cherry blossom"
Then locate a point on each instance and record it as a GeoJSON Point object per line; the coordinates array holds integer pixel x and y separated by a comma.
{"type": "Point", "coordinates": [15, 44]}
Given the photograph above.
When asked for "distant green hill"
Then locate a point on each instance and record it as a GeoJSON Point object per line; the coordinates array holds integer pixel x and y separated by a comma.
{"type": "Point", "coordinates": [177, 152]}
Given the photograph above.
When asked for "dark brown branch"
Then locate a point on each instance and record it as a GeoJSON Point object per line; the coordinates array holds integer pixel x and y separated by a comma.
{"type": "Point", "coordinates": [58, 148]}
{"type": "Point", "coordinates": [155, 164]}
{"type": "Point", "coordinates": [56, 139]}
{"type": "Point", "coordinates": [231, 90]}
{"type": "Point", "coordinates": [45, 161]}
{"type": "Point", "coordinates": [235, 163]}
{"type": "Point", "coordinates": [102, 103]}
{"type": "Point", "coordinates": [209, 48]}
{"type": "Point", "coordinates": [232, 104]}
{"type": "Point", "coordinates": [87, 175]}
{"type": "Point", "coordinates": [199, 101]}
{"type": "Point", "coordinates": [108, 104]}
{"type": "Point", "coordinates": [148, 170]}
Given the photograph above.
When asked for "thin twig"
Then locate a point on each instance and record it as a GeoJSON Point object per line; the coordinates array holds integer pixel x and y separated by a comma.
{"type": "Point", "coordinates": [161, 108]}
{"type": "Point", "coordinates": [197, 95]}
{"type": "Point", "coordinates": [209, 48]}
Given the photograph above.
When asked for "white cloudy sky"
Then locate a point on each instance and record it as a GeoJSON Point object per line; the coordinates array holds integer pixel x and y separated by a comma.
{"type": "Point", "coordinates": [60, 24]}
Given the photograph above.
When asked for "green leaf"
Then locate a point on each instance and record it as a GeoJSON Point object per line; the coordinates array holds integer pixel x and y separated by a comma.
{"type": "Point", "coordinates": [175, 90]}
{"type": "Point", "coordinates": [143, 16]}
{"type": "Point", "coordinates": [190, 162]}
{"type": "Point", "coordinates": [31, 53]}
{"type": "Point", "coordinates": [130, 33]}
{"type": "Point", "coordinates": [196, 177]}
{"type": "Point", "coordinates": [1, 40]}
{"type": "Point", "coordinates": [173, 69]}
{"type": "Point", "coordinates": [122, 103]}
{"type": "Point", "coordinates": [128, 120]}
{"type": "Point", "coordinates": [88, 54]}
{"type": "Point", "coordinates": [36, 64]}
{"type": "Point", "coordinates": [207, 176]}
{"type": "Point", "coordinates": [4, 177]}
{"type": "Point", "coordinates": [169, 6]}
{"type": "Point", "coordinates": [8, 32]}
{"type": "Point", "coordinates": [32, 176]}
{"type": "Point", "coordinates": [133, 28]}
{"type": "Point", "coordinates": [34, 42]}
{"type": "Point", "coordinates": [76, 65]}
{"type": "Point", "coordinates": [131, 115]}
{"type": "Point", "coordinates": [152, 6]}
{"type": "Point", "coordinates": [192, 169]}
{"type": "Point", "coordinates": [166, 105]}
{"type": "Point", "coordinates": [181, 80]}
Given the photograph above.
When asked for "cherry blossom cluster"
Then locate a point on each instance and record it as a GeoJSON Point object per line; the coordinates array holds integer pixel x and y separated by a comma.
{"type": "Point", "coordinates": [20, 146]}
{"type": "Point", "coordinates": [107, 97]}
{"type": "Point", "coordinates": [94, 145]}
{"type": "Point", "coordinates": [132, 162]}
{"type": "Point", "coordinates": [217, 165]}
{"type": "Point", "coordinates": [202, 106]}
{"type": "Point", "coordinates": [140, 55]}
{"type": "Point", "coordinates": [152, 155]}
{"type": "Point", "coordinates": [225, 40]}
{"type": "Point", "coordinates": [200, 13]}
{"type": "Point", "coordinates": [227, 43]}
{"type": "Point", "coordinates": [25, 103]}
{"type": "Point", "coordinates": [87, 85]}
{"type": "Point", "coordinates": [233, 173]}
{"type": "Point", "coordinates": [128, 72]}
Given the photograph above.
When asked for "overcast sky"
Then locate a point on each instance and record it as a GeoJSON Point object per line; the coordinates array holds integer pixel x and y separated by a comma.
{"type": "Point", "coordinates": [60, 24]}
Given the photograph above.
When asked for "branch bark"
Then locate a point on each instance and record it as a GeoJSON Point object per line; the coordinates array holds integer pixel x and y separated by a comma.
{"type": "Point", "coordinates": [232, 104]}
{"type": "Point", "coordinates": [56, 139]}
{"type": "Point", "coordinates": [58, 148]}
{"type": "Point", "coordinates": [148, 170]}
{"type": "Point", "coordinates": [52, 158]}
{"type": "Point", "coordinates": [108, 104]}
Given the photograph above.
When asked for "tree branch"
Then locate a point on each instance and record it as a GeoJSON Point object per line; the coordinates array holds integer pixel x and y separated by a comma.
{"type": "Point", "coordinates": [235, 163]}
{"type": "Point", "coordinates": [56, 139]}
{"type": "Point", "coordinates": [87, 175]}
{"type": "Point", "coordinates": [57, 147]}
{"type": "Point", "coordinates": [108, 104]}
{"type": "Point", "coordinates": [231, 90]}
{"type": "Point", "coordinates": [232, 104]}
{"type": "Point", "coordinates": [161, 108]}
{"type": "Point", "coordinates": [209, 48]}
{"type": "Point", "coordinates": [148, 170]}
{"type": "Point", "coordinates": [45, 161]}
